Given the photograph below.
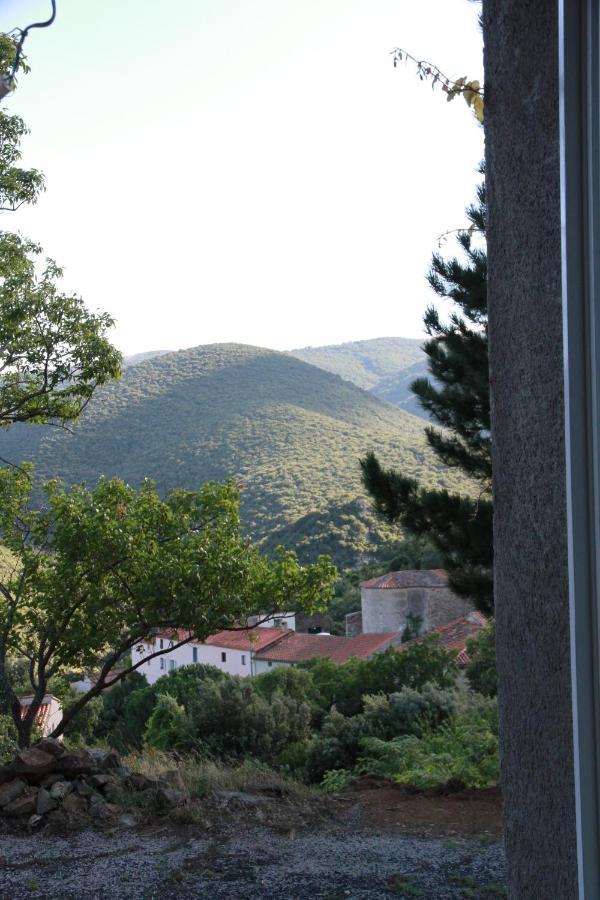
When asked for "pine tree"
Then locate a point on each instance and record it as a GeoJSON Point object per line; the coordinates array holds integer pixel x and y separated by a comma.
{"type": "Point", "coordinates": [457, 398]}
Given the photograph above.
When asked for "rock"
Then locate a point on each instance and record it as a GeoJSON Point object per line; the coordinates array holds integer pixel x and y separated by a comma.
{"type": "Point", "coordinates": [113, 792]}
{"type": "Point", "coordinates": [6, 774]}
{"type": "Point", "coordinates": [106, 759]}
{"type": "Point", "coordinates": [74, 805]}
{"type": "Point", "coordinates": [10, 791]}
{"type": "Point", "coordinates": [22, 806]}
{"type": "Point", "coordinates": [82, 788]}
{"type": "Point", "coordinates": [45, 802]}
{"type": "Point", "coordinates": [79, 762]}
{"type": "Point", "coordinates": [100, 780]}
{"type": "Point", "coordinates": [172, 779]}
{"type": "Point", "coordinates": [98, 808]}
{"type": "Point", "coordinates": [34, 820]}
{"type": "Point", "coordinates": [127, 821]}
{"type": "Point", "coordinates": [51, 746]}
{"type": "Point", "coordinates": [169, 797]}
{"type": "Point", "coordinates": [33, 764]}
{"type": "Point", "coordinates": [48, 780]}
{"type": "Point", "coordinates": [225, 797]}
{"type": "Point", "coordinates": [60, 789]}
{"type": "Point", "coordinates": [137, 782]}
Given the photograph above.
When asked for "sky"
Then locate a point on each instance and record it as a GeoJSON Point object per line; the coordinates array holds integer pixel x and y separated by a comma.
{"type": "Point", "coordinates": [246, 170]}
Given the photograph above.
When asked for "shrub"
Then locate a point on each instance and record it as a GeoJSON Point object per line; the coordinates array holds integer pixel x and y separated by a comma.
{"type": "Point", "coordinates": [337, 746]}
{"type": "Point", "coordinates": [184, 683]}
{"type": "Point", "coordinates": [465, 748]}
{"type": "Point", "coordinates": [481, 671]}
{"type": "Point", "coordinates": [408, 711]}
{"type": "Point", "coordinates": [231, 719]}
{"type": "Point", "coordinates": [125, 711]}
{"type": "Point", "coordinates": [8, 738]}
{"type": "Point", "coordinates": [336, 780]}
{"type": "Point", "coordinates": [346, 686]}
{"type": "Point", "coordinates": [293, 682]}
{"type": "Point", "coordinates": [167, 726]}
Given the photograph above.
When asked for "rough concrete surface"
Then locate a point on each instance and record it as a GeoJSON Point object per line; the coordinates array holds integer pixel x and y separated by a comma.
{"type": "Point", "coordinates": [525, 326]}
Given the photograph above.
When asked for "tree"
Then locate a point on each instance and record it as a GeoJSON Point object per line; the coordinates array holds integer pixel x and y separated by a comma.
{"type": "Point", "coordinates": [97, 571]}
{"type": "Point", "coordinates": [459, 526]}
{"type": "Point", "coordinates": [53, 352]}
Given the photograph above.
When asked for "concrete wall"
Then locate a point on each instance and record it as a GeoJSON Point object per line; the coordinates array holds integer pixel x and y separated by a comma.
{"type": "Point", "coordinates": [530, 572]}
{"type": "Point", "coordinates": [236, 662]}
{"type": "Point", "coordinates": [386, 609]}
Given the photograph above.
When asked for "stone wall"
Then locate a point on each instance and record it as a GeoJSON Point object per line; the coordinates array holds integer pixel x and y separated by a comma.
{"type": "Point", "coordinates": [387, 609]}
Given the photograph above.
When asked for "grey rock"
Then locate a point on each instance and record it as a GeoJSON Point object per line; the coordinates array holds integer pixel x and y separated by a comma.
{"type": "Point", "coordinates": [45, 802]}
{"type": "Point", "coordinates": [100, 781]}
{"type": "Point", "coordinates": [10, 791]}
{"type": "Point", "coordinates": [48, 780]}
{"type": "Point", "coordinates": [79, 762]}
{"type": "Point", "coordinates": [51, 746]}
{"type": "Point", "coordinates": [22, 806]}
{"type": "Point", "coordinates": [33, 764]}
{"type": "Point", "coordinates": [127, 821]}
{"type": "Point", "coordinates": [34, 820]}
{"type": "Point", "coordinates": [74, 804]}
{"type": "Point", "coordinates": [82, 788]}
{"type": "Point", "coordinates": [60, 789]}
{"type": "Point", "coordinates": [98, 808]}
{"type": "Point", "coordinates": [169, 797]}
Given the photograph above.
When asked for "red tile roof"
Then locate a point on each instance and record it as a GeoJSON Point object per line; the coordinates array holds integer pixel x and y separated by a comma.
{"type": "Point", "coordinates": [454, 635]}
{"type": "Point", "coordinates": [251, 639]}
{"type": "Point", "coordinates": [408, 578]}
{"type": "Point", "coordinates": [298, 647]}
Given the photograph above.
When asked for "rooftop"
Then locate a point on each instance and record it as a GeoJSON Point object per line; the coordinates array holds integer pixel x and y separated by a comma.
{"type": "Point", "coordinates": [408, 578]}
{"type": "Point", "coordinates": [251, 639]}
{"type": "Point", "coordinates": [454, 635]}
{"type": "Point", "coordinates": [299, 647]}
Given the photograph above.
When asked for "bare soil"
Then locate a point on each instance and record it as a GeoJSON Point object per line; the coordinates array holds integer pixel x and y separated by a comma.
{"type": "Point", "coordinates": [377, 841]}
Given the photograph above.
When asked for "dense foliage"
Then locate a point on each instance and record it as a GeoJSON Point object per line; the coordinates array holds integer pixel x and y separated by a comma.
{"type": "Point", "coordinates": [481, 671]}
{"type": "Point", "coordinates": [457, 398]}
{"type": "Point", "coordinates": [287, 432]}
{"type": "Point", "coordinates": [96, 571]}
{"type": "Point", "coordinates": [53, 351]}
{"type": "Point", "coordinates": [385, 366]}
{"type": "Point", "coordinates": [304, 720]}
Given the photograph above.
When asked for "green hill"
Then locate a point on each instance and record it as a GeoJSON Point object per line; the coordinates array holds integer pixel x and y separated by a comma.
{"type": "Point", "coordinates": [289, 432]}
{"type": "Point", "coordinates": [384, 366]}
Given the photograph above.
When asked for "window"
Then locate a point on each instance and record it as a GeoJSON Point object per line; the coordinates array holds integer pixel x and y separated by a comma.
{"type": "Point", "coordinates": [195, 654]}
{"type": "Point", "coordinates": [243, 660]}
{"type": "Point", "coordinates": [161, 644]}
{"type": "Point", "coordinates": [171, 664]}
{"type": "Point", "coordinates": [269, 664]}
{"type": "Point", "coordinates": [223, 657]}
{"type": "Point", "coordinates": [162, 663]}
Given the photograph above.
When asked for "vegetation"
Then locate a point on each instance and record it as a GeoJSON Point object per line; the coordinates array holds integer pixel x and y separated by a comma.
{"type": "Point", "coordinates": [54, 353]}
{"type": "Point", "coordinates": [384, 366]}
{"type": "Point", "coordinates": [96, 571]}
{"type": "Point", "coordinates": [287, 432]}
{"type": "Point", "coordinates": [321, 723]}
{"type": "Point", "coordinates": [481, 671]}
{"type": "Point", "coordinates": [457, 398]}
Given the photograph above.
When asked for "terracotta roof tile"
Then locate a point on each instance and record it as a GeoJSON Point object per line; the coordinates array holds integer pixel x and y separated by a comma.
{"type": "Point", "coordinates": [299, 647]}
{"type": "Point", "coordinates": [408, 578]}
{"type": "Point", "coordinates": [251, 639]}
{"type": "Point", "coordinates": [454, 635]}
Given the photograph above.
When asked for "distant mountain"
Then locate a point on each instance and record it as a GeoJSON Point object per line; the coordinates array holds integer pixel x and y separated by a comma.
{"type": "Point", "coordinates": [384, 366]}
{"type": "Point", "coordinates": [138, 358]}
{"type": "Point", "coordinates": [290, 432]}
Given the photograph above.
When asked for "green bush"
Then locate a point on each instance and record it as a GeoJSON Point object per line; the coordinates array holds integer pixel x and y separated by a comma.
{"type": "Point", "coordinates": [184, 683]}
{"type": "Point", "coordinates": [408, 711]}
{"type": "Point", "coordinates": [167, 727]}
{"type": "Point", "coordinates": [465, 748]}
{"type": "Point", "coordinates": [346, 686]}
{"type": "Point", "coordinates": [336, 780]}
{"type": "Point", "coordinates": [293, 682]}
{"type": "Point", "coordinates": [336, 746]}
{"type": "Point", "coordinates": [125, 711]}
{"type": "Point", "coordinates": [8, 738]}
{"type": "Point", "coordinates": [231, 719]}
{"type": "Point", "coordinates": [481, 670]}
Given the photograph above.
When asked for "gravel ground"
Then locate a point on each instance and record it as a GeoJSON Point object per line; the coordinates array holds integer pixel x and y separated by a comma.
{"type": "Point", "coordinates": [254, 864]}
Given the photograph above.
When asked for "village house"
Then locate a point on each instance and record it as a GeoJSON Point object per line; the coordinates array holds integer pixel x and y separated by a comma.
{"type": "Point", "coordinates": [295, 648]}
{"type": "Point", "coordinates": [49, 714]}
{"type": "Point", "coordinates": [411, 596]}
{"type": "Point", "coordinates": [454, 635]}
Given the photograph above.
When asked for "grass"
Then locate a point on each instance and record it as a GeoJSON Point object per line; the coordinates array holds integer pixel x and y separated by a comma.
{"type": "Point", "coordinates": [404, 886]}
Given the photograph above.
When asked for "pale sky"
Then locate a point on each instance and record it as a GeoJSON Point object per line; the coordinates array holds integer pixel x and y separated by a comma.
{"type": "Point", "coordinates": [246, 170]}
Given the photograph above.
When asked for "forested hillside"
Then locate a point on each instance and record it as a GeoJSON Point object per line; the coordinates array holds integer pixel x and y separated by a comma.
{"type": "Point", "coordinates": [384, 366]}
{"type": "Point", "coordinates": [288, 432]}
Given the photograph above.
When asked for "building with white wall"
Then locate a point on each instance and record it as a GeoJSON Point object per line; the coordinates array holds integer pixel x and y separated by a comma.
{"type": "Point", "coordinates": [231, 651]}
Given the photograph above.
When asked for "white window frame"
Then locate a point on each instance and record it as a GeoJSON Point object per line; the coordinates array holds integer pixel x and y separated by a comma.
{"type": "Point", "coordinates": [579, 35]}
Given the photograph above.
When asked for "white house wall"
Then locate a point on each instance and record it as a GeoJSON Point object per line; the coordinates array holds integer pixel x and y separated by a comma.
{"type": "Point", "coordinates": [236, 662]}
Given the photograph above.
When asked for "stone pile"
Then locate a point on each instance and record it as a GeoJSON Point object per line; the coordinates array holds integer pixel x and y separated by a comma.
{"type": "Point", "coordinates": [47, 781]}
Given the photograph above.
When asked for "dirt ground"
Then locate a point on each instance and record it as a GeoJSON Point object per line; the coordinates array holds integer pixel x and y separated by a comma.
{"type": "Point", "coordinates": [377, 841]}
